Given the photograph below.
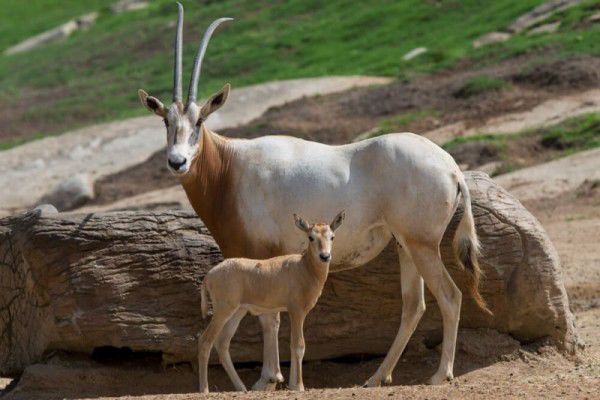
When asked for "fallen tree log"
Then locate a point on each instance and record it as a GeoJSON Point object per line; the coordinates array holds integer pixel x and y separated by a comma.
{"type": "Point", "coordinates": [131, 280]}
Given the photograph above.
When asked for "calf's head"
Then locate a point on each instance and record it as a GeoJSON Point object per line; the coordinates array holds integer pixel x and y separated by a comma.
{"type": "Point", "coordinates": [320, 235]}
{"type": "Point", "coordinates": [184, 121]}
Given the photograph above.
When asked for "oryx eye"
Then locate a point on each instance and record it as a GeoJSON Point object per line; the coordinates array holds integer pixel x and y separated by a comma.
{"type": "Point", "coordinates": [333, 237]}
{"type": "Point", "coordinates": [312, 239]}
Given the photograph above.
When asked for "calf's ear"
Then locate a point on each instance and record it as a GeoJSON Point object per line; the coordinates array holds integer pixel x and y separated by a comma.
{"type": "Point", "coordinates": [301, 223]}
{"type": "Point", "coordinates": [337, 221]}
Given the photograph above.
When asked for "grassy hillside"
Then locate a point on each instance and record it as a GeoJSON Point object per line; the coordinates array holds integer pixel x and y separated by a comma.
{"type": "Point", "coordinates": [93, 75]}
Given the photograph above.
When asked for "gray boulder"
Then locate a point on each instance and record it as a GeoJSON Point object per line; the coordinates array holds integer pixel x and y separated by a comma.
{"type": "Point", "coordinates": [70, 193]}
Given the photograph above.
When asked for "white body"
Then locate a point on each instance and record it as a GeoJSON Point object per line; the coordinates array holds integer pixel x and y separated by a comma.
{"type": "Point", "coordinates": [398, 184]}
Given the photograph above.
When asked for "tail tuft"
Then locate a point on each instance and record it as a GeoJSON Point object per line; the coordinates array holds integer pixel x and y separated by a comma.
{"type": "Point", "coordinates": [466, 248]}
{"type": "Point", "coordinates": [204, 300]}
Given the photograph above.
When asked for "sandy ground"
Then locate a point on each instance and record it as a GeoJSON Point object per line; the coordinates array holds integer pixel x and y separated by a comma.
{"type": "Point", "coordinates": [108, 148]}
{"type": "Point", "coordinates": [553, 178]}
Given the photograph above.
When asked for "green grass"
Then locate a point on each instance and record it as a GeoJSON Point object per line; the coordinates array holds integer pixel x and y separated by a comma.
{"type": "Point", "coordinates": [575, 134]}
{"type": "Point", "coordinates": [497, 140]}
{"type": "Point", "coordinates": [94, 75]}
{"type": "Point", "coordinates": [570, 136]}
{"type": "Point", "coordinates": [478, 85]}
{"type": "Point", "coordinates": [22, 19]}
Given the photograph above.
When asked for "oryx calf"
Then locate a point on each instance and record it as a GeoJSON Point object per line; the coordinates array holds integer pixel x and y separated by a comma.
{"type": "Point", "coordinates": [291, 283]}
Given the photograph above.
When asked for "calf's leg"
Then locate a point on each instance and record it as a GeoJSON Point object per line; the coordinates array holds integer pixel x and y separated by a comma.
{"type": "Point", "coordinates": [206, 341]}
{"type": "Point", "coordinates": [222, 346]}
{"type": "Point", "coordinates": [297, 348]}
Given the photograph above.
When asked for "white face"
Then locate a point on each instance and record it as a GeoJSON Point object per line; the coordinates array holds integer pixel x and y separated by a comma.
{"type": "Point", "coordinates": [183, 137]}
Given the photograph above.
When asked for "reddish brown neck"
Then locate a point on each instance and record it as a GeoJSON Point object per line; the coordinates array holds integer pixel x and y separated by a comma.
{"type": "Point", "coordinates": [210, 189]}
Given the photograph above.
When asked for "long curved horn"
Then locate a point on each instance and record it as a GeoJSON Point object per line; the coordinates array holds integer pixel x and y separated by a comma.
{"type": "Point", "coordinates": [177, 91]}
{"type": "Point", "coordinates": [200, 56]}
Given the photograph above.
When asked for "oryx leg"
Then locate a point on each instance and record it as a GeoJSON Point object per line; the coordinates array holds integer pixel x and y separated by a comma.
{"type": "Point", "coordinates": [448, 296]}
{"type": "Point", "coordinates": [297, 347]}
{"type": "Point", "coordinates": [222, 346]}
{"type": "Point", "coordinates": [206, 341]}
{"type": "Point", "coordinates": [271, 372]}
{"type": "Point", "coordinates": [413, 307]}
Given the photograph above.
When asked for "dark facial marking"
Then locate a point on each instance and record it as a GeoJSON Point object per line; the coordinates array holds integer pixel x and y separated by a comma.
{"type": "Point", "coordinates": [194, 137]}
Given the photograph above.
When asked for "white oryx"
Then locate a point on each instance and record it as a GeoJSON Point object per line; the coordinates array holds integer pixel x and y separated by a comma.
{"type": "Point", "coordinates": [398, 185]}
{"type": "Point", "coordinates": [291, 283]}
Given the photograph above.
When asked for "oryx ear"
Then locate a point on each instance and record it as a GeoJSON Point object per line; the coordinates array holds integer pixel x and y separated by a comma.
{"type": "Point", "coordinates": [301, 223]}
{"type": "Point", "coordinates": [337, 221]}
{"type": "Point", "coordinates": [152, 104]}
{"type": "Point", "coordinates": [215, 102]}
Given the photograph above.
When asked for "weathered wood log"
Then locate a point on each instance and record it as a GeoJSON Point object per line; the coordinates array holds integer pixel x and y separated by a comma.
{"type": "Point", "coordinates": [131, 279]}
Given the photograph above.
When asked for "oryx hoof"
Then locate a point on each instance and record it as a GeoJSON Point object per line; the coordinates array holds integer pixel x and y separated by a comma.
{"type": "Point", "coordinates": [441, 377]}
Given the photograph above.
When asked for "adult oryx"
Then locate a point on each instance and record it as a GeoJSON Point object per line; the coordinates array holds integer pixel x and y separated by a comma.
{"type": "Point", "coordinates": [399, 185]}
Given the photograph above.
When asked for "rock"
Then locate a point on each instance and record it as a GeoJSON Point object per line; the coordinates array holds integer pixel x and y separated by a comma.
{"type": "Point", "coordinates": [45, 210]}
{"type": "Point", "coordinates": [86, 20]}
{"type": "Point", "coordinates": [71, 193]}
{"type": "Point", "coordinates": [594, 18]}
{"type": "Point", "coordinates": [130, 280]}
{"type": "Point", "coordinates": [60, 32]}
{"type": "Point", "coordinates": [489, 168]}
{"type": "Point", "coordinates": [414, 53]}
{"type": "Point", "coordinates": [546, 28]}
{"type": "Point", "coordinates": [52, 35]}
{"type": "Point", "coordinates": [128, 5]}
{"type": "Point", "coordinates": [540, 13]}
{"type": "Point", "coordinates": [490, 38]}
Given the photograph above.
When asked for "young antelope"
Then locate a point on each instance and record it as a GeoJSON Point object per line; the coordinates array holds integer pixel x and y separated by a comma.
{"type": "Point", "coordinates": [291, 283]}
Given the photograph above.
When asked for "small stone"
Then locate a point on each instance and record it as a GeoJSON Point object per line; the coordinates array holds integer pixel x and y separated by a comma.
{"type": "Point", "coordinates": [86, 20]}
{"type": "Point", "coordinates": [46, 209]}
{"type": "Point", "coordinates": [489, 168]}
{"type": "Point", "coordinates": [490, 38]}
{"type": "Point", "coordinates": [71, 193]}
{"type": "Point", "coordinates": [546, 28]}
{"type": "Point", "coordinates": [594, 18]}
{"type": "Point", "coordinates": [414, 53]}
{"type": "Point", "coordinates": [128, 5]}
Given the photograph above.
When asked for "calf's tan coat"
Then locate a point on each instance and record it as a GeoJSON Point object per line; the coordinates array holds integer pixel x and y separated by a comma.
{"type": "Point", "coordinates": [291, 283]}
